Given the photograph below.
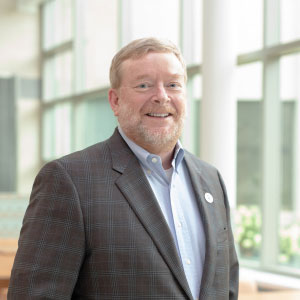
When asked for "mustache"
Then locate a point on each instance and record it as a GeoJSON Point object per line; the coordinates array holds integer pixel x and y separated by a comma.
{"type": "Point", "coordinates": [159, 109]}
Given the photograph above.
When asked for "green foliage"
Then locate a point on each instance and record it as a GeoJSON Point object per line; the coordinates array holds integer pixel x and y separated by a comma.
{"type": "Point", "coordinates": [248, 230]}
{"type": "Point", "coordinates": [248, 235]}
{"type": "Point", "coordinates": [289, 244]}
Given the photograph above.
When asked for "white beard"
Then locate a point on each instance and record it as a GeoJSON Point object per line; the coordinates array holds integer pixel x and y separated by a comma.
{"type": "Point", "coordinates": [141, 134]}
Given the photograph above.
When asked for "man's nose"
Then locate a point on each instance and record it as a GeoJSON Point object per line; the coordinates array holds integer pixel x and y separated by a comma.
{"type": "Point", "coordinates": [161, 95]}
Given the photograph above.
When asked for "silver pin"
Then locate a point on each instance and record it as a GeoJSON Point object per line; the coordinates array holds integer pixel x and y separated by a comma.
{"type": "Point", "coordinates": [209, 198]}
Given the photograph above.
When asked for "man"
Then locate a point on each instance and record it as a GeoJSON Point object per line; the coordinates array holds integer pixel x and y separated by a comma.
{"type": "Point", "coordinates": [136, 216]}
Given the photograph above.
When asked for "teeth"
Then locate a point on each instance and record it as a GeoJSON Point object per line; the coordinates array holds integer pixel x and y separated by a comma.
{"type": "Point", "coordinates": [158, 115]}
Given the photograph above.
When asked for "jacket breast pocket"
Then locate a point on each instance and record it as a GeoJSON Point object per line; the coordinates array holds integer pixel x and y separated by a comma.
{"type": "Point", "coordinates": [222, 235]}
{"type": "Point", "coordinates": [222, 246]}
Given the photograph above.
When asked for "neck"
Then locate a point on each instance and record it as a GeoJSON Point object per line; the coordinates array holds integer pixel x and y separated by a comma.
{"type": "Point", "coordinates": [167, 160]}
{"type": "Point", "coordinates": [163, 149]}
{"type": "Point", "coordinates": [166, 155]}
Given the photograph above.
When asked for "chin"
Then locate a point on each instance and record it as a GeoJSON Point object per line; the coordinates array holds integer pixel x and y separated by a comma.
{"type": "Point", "coordinates": [160, 136]}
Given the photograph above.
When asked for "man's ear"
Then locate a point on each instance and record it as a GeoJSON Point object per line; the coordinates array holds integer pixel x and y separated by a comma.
{"type": "Point", "coordinates": [113, 97]}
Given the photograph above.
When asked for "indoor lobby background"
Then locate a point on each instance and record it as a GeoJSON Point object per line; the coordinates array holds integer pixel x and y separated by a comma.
{"type": "Point", "coordinates": [243, 59]}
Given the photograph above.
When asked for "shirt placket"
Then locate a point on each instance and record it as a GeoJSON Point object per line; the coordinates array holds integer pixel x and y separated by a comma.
{"type": "Point", "coordinates": [182, 233]}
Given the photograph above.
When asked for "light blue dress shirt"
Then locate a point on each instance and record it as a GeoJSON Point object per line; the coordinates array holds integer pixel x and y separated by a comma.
{"type": "Point", "coordinates": [175, 195]}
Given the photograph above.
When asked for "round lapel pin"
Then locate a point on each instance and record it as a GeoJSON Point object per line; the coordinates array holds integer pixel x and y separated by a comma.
{"type": "Point", "coordinates": [209, 198]}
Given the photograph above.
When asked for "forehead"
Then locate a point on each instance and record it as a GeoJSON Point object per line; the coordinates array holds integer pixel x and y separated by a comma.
{"type": "Point", "coordinates": [152, 63]}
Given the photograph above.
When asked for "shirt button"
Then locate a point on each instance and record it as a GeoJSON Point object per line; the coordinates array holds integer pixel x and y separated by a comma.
{"type": "Point", "coordinates": [154, 160]}
{"type": "Point", "coordinates": [148, 172]}
{"type": "Point", "coordinates": [188, 261]}
{"type": "Point", "coordinates": [179, 225]}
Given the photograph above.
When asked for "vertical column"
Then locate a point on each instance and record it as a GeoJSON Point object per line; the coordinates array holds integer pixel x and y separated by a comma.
{"type": "Point", "coordinates": [188, 137]}
{"type": "Point", "coordinates": [79, 82]}
{"type": "Point", "coordinates": [271, 163]}
{"type": "Point", "coordinates": [296, 192]}
{"type": "Point", "coordinates": [271, 140]}
{"type": "Point", "coordinates": [79, 8]}
{"type": "Point", "coordinates": [27, 109]}
{"type": "Point", "coordinates": [218, 106]}
{"type": "Point", "coordinates": [42, 82]}
{"type": "Point", "coordinates": [187, 30]}
{"type": "Point", "coordinates": [126, 25]}
{"type": "Point", "coordinates": [191, 16]}
{"type": "Point", "coordinates": [8, 133]}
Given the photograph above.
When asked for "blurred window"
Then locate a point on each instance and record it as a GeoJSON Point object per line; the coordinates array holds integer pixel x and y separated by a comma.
{"type": "Point", "coordinates": [250, 25]}
{"type": "Point", "coordinates": [289, 233]}
{"type": "Point", "coordinates": [249, 161]}
{"type": "Point", "coordinates": [249, 82]}
{"type": "Point", "coordinates": [57, 131]}
{"type": "Point", "coordinates": [289, 20]}
{"type": "Point", "coordinates": [78, 46]}
{"type": "Point", "coordinates": [152, 18]}
{"type": "Point", "coordinates": [58, 76]}
{"type": "Point", "coordinates": [99, 41]}
{"type": "Point", "coordinates": [56, 23]}
{"type": "Point", "coordinates": [191, 31]}
{"type": "Point", "coordinates": [191, 130]}
{"type": "Point", "coordinates": [94, 121]}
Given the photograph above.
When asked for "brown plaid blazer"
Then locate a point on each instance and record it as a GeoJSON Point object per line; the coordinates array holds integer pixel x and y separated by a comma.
{"type": "Point", "coordinates": [94, 230]}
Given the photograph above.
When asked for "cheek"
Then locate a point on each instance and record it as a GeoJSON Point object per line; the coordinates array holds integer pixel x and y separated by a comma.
{"type": "Point", "coordinates": [141, 104]}
{"type": "Point", "coordinates": [130, 99]}
{"type": "Point", "coordinates": [180, 105]}
{"type": "Point", "coordinates": [129, 109]}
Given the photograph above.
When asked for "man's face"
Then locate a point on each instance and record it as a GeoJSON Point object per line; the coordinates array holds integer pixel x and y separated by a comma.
{"type": "Point", "coordinates": [150, 102]}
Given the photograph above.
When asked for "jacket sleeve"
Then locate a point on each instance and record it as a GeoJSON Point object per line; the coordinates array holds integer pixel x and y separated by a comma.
{"type": "Point", "coordinates": [233, 260]}
{"type": "Point", "coordinates": [52, 240]}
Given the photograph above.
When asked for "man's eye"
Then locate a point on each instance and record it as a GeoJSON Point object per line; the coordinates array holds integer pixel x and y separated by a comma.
{"type": "Point", "coordinates": [174, 85]}
{"type": "Point", "coordinates": [143, 86]}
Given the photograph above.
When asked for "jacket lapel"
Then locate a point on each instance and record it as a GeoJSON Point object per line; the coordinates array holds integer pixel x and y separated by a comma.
{"type": "Point", "coordinates": [136, 189]}
{"type": "Point", "coordinates": [207, 211]}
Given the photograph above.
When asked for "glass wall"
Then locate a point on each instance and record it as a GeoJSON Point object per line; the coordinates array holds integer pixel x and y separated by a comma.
{"type": "Point", "coordinates": [289, 20]}
{"type": "Point", "coordinates": [248, 216]}
{"type": "Point", "coordinates": [57, 23]}
{"type": "Point", "coordinates": [146, 19]}
{"type": "Point", "coordinates": [77, 47]}
{"type": "Point", "coordinates": [94, 121]}
{"type": "Point", "coordinates": [289, 225]}
{"type": "Point", "coordinates": [249, 25]}
{"type": "Point", "coordinates": [57, 74]}
{"type": "Point", "coordinates": [267, 216]}
{"type": "Point", "coordinates": [97, 41]}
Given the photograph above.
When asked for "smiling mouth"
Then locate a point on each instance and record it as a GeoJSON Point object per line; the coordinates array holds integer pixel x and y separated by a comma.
{"type": "Point", "coordinates": [158, 115]}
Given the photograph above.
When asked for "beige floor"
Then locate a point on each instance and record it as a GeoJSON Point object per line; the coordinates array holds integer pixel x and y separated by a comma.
{"type": "Point", "coordinates": [8, 248]}
{"type": "Point", "coordinates": [282, 295]}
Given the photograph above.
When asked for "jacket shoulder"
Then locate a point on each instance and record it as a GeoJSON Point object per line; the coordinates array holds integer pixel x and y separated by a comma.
{"type": "Point", "coordinates": [79, 161]}
{"type": "Point", "coordinates": [93, 152]}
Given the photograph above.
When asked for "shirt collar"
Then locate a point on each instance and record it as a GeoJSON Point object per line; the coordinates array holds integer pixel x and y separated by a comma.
{"type": "Point", "coordinates": [143, 155]}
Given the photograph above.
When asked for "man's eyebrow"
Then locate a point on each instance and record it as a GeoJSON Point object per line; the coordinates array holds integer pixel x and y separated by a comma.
{"type": "Point", "coordinates": [177, 76]}
{"type": "Point", "coordinates": [147, 76]}
{"type": "Point", "coordinates": [141, 77]}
